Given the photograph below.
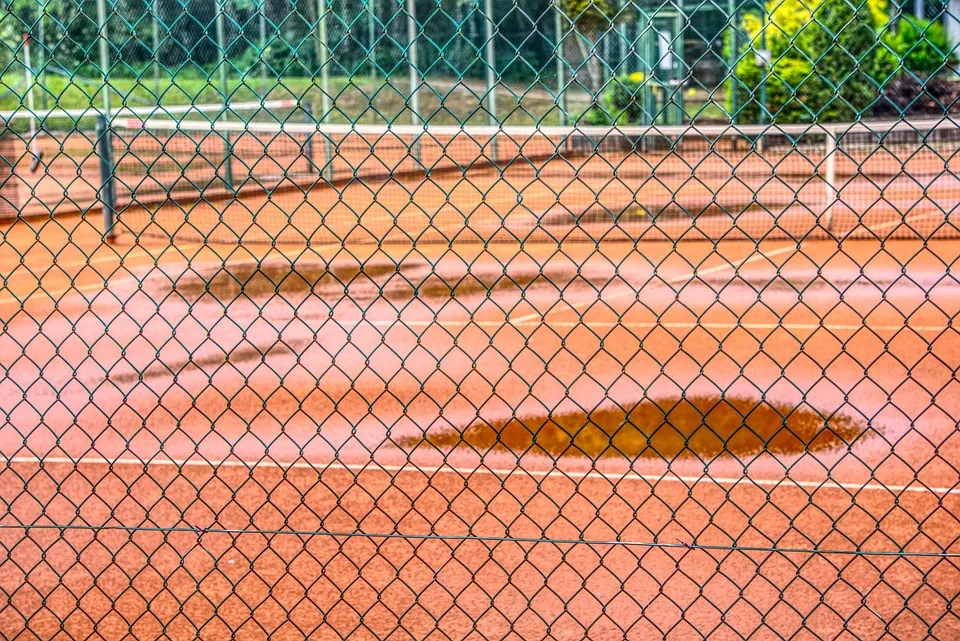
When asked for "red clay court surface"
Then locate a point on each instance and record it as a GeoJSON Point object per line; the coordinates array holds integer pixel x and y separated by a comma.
{"type": "Point", "coordinates": [261, 495]}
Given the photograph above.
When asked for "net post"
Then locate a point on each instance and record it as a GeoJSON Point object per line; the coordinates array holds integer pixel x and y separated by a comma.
{"type": "Point", "coordinates": [307, 108]}
{"type": "Point", "coordinates": [10, 207]}
{"type": "Point", "coordinates": [830, 169]}
{"type": "Point", "coordinates": [107, 200]}
{"type": "Point", "coordinates": [324, 168]}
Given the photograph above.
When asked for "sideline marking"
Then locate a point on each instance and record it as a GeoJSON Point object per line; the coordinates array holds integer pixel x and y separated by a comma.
{"type": "Point", "coordinates": [670, 281]}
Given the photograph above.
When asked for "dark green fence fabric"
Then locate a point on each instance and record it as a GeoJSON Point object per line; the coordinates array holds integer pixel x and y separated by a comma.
{"type": "Point", "coordinates": [479, 320]}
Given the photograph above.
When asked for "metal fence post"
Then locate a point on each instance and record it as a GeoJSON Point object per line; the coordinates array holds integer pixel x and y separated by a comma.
{"type": "Point", "coordinates": [107, 196]}
{"type": "Point", "coordinates": [371, 7]}
{"type": "Point", "coordinates": [558, 57]}
{"type": "Point", "coordinates": [308, 146]}
{"type": "Point", "coordinates": [28, 67]}
{"type": "Point", "coordinates": [262, 28]}
{"type": "Point", "coordinates": [104, 45]}
{"type": "Point", "coordinates": [830, 169]}
{"type": "Point", "coordinates": [325, 103]}
{"type": "Point", "coordinates": [732, 54]}
{"type": "Point", "coordinates": [413, 74]}
{"type": "Point", "coordinates": [492, 80]}
{"type": "Point", "coordinates": [155, 33]}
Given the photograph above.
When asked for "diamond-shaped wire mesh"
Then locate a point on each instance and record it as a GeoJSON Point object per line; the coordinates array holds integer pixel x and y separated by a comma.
{"type": "Point", "coordinates": [479, 320]}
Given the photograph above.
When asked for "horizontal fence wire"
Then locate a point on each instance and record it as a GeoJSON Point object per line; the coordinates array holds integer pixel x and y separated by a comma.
{"type": "Point", "coordinates": [483, 539]}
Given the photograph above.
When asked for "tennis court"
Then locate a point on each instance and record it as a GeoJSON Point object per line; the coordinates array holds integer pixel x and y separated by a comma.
{"type": "Point", "coordinates": [259, 444]}
{"type": "Point", "coordinates": [373, 346]}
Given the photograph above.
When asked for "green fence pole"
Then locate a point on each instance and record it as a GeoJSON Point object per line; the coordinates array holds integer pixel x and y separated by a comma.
{"type": "Point", "coordinates": [558, 57]}
{"type": "Point", "coordinates": [622, 63]}
{"type": "Point", "coordinates": [34, 145]}
{"type": "Point", "coordinates": [225, 90]}
{"type": "Point", "coordinates": [42, 53]}
{"type": "Point", "coordinates": [732, 59]}
{"type": "Point", "coordinates": [413, 74]}
{"type": "Point", "coordinates": [492, 80]}
{"type": "Point", "coordinates": [104, 45]}
{"type": "Point", "coordinates": [107, 200]}
{"type": "Point", "coordinates": [325, 104]}
{"type": "Point", "coordinates": [412, 70]}
{"type": "Point", "coordinates": [830, 179]}
{"type": "Point", "coordinates": [308, 147]}
{"type": "Point", "coordinates": [155, 32]}
{"type": "Point", "coordinates": [262, 19]}
{"type": "Point", "coordinates": [372, 34]}
{"type": "Point", "coordinates": [765, 68]}
{"type": "Point", "coordinates": [324, 54]}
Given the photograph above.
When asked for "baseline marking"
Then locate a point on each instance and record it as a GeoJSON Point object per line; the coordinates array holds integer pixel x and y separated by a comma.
{"type": "Point", "coordinates": [354, 468]}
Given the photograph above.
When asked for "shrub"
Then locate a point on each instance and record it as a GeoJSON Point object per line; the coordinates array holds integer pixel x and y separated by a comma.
{"type": "Point", "coordinates": [909, 95]}
{"type": "Point", "coordinates": [826, 62]}
{"type": "Point", "coordinates": [624, 98]}
{"type": "Point", "coordinates": [597, 116]}
{"type": "Point", "coordinates": [921, 45]}
{"type": "Point", "coordinates": [622, 102]}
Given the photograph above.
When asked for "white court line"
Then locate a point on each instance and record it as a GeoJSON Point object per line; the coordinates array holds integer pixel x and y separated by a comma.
{"type": "Point", "coordinates": [905, 222]}
{"type": "Point", "coordinates": [118, 258]}
{"type": "Point", "coordinates": [793, 327]}
{"type": "Point", "coordinates": [670, 281]}
{"type": "Point", "coordinates": [633, 475]}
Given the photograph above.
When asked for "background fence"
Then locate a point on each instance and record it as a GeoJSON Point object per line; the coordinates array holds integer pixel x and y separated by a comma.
{"type": "Point", "coordinates": [479, 320]}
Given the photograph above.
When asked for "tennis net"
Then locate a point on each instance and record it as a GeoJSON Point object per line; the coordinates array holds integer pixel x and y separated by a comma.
{"type": "Point", "coordinates": [303, 182]}
{"type": "Point", "coordinates": [9, 190]}
{"type": "Point", "coordinates": [50, 152]}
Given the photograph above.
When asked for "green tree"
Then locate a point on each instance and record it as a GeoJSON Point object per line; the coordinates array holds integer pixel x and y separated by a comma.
{"type": "Point", "coordinates": [589, 18]}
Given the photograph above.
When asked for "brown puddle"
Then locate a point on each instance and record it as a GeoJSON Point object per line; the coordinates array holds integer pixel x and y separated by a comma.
{"type": "Point", "coordinates": [705, 426]}
{"type": "Point", "coordinates": [362, 282]}
{"type": "Point", "coordinates": [283, 279]}
{"type": "Point", "coordinates": [436, 286]}
{"type": "Point", "coordinates": [208, 364]}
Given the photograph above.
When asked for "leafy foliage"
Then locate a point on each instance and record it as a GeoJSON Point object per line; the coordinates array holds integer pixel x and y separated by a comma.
{"type": "Point", "coordinates": [835, 60]}
{"type": "Point", "coordinates": [622, 102]}
{"type": "Point", "coordinates": [910, 95]}
{"type": "Point", "coordinates": [825, 61]}
{"type": "Point", "coordinates": [587, 14]}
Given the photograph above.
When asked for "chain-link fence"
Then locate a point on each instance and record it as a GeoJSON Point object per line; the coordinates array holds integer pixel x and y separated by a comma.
{"type": "Point", "coordinates": [479, 320]}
